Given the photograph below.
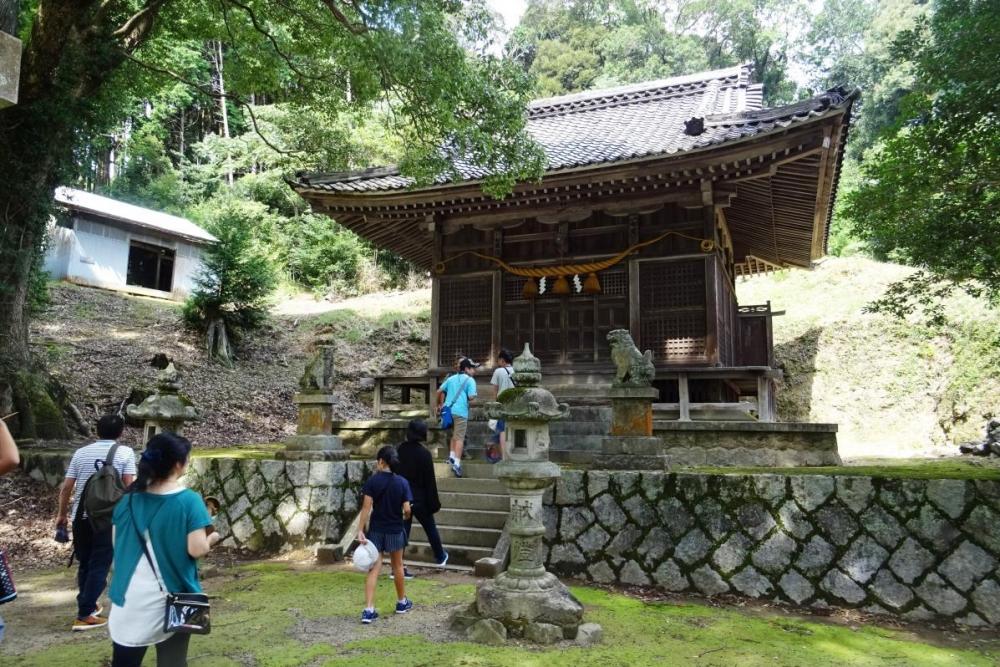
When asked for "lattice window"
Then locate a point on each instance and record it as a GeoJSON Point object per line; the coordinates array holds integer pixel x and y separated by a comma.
{"type": "Point", "coordinates": [672, 284]}
{"type": "Point", "coordinates": [513, 288]}
{"type": "Point", "coordinates": [466, 298]}
{"type": "Point", "coordinates": [672, 309]}
{"type": "Point", "coordinates": [614, 283]}
{"type": "Point", "coordinates": [465, 312]}
{"type": "Point", "coordinates": [674, 336]}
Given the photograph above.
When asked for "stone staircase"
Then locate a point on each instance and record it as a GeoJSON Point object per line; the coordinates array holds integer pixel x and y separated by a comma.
{"type": "Point", "coordinates": [473, 511]}
{"type": "Point", "coordinates": [574, 439]}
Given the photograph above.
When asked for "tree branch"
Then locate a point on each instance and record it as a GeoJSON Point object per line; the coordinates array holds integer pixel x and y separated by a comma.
{"type": "Point", "coordinates": [338, 13]}
{"type": "Point", "coordinates": [204, 90]}
{"type": "Point", "coordinates": [135, 30]}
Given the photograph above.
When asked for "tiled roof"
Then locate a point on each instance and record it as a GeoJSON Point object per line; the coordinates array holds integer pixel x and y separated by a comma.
{"type": "Point", "coordinates": [105, 207]}
{"type": "Point", "coordinates": [624, 123]}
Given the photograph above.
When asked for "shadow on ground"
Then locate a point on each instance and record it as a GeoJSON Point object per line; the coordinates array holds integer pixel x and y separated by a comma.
{"type": "Point", "coordinates": [281, 614]}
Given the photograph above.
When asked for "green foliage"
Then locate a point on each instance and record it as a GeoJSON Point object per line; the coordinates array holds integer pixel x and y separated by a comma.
{"type": "Point", "coordinates": [929, 195]}
{"type": "Point", "coordinates": [572, 45]}
{"type": "Point", "coordinates": [323, 254]}
{"type": "Point", "coordinates": [238, 272]}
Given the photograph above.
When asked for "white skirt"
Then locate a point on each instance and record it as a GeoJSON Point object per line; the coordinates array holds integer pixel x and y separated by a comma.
{"type": "Point", "coordinates": [140, 621]}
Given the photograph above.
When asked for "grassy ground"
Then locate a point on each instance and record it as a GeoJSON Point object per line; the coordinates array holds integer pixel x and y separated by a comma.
{"type": "Point", "coordinates": [279, 614]}
{"type": "Point", "coordinates": [967, 468]}
{"type": "Point", "coordinates": [895, 388]}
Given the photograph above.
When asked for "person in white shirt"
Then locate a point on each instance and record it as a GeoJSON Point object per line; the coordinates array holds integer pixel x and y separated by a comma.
{"type": "Point", "coordinates": [503, 379]}
{"type": "Point", "coordinates": [93, 549]}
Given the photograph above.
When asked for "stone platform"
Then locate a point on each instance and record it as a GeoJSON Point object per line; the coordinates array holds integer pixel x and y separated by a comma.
{"type": "Point", "coordinates": [577, 440]}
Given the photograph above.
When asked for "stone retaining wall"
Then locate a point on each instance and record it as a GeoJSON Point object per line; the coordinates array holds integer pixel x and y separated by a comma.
{"type": "Point", "coordinates": [268, 505]}
{"type": "Point", "coordinates": [914, 548]}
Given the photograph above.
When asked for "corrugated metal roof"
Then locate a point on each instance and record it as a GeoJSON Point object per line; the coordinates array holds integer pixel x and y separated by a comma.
{"type": "Point", "coordinates": [105, 207]}
{"type": "Point", "coordinates": [623, 123]}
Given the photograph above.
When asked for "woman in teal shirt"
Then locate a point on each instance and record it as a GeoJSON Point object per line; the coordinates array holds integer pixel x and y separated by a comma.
{"type": "Point", "coordinates": [173, 522]}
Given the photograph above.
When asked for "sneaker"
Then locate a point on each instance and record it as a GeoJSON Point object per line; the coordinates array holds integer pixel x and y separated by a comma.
{"type": "Point", "coordinates": [89, 623]}
{"type": "Point", "coordinates": [457, 469]}
{"type": "Point", "coordinates": [406, 574]}
{"type": "Point", "coordinates": [368, 615]}
{"type": "Point", "coordinates": [444, 561]}
{"type": "Point", "coordinates": [404, 606]}
{"type": "Point", "coordinates": [451, 459]}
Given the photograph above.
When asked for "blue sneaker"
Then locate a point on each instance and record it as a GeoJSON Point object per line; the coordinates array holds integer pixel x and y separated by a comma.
{"type": "Point", "coordinates": [404, 606]}
{"type": "Point", "coordinates": [406, 574]}
{"type": "Point", "coordinates": [457, 469]}
{"type": "Point", "coordinates": [369, 615]}
{"type": "Point", "coordinates": [444, 561]}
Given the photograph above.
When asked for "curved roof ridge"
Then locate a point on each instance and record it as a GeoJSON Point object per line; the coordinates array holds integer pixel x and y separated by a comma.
{"type": "Point", "coordinates": [620, 94]}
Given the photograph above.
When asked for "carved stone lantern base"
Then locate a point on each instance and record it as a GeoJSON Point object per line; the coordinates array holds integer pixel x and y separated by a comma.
{"type": "Point", "coordinates": [526, 606]}
{"type": "Point", "coordinates": [314, 440]}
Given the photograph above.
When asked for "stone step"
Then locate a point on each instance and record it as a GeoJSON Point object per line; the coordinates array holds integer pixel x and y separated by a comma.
{"type": "Point", "coordinates": [471, 518]}
{"type": "Point", "coordinates": [471, 469]}
{"type": "Point", "coordinates": [471, 485]}
{"type": "Point", "coordinates": [475, 501]}
{"type": "Point", "coordinates": [462, 555]}
{"type": "Point", "coordinates": [470, 537]}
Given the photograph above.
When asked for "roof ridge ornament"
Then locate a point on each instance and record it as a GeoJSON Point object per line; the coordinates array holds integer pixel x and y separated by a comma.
{"type": "Point", "coordinates": [694, 126]}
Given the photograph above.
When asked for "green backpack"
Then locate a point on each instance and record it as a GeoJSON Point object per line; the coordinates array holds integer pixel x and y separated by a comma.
{"type": "Point", "coordinates": [102, 492]}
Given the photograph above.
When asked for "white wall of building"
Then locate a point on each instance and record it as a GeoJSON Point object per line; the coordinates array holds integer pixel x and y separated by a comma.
{"type": "Point", "coordinates": [94, 253]}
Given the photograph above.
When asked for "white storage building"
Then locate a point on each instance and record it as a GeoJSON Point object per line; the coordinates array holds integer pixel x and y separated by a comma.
{"type": "Point", "coordinates": [107, 243]}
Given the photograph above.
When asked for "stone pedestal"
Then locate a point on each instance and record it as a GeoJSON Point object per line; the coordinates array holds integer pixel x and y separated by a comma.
{"type": "Point", "coordinates": [10, 68]}
{"type": "Point", "coordinates": [632, 410]}
{"type": "Point", "coordinates": [314, 439]}
{"type": "Point", "coordinates": [631, 445]}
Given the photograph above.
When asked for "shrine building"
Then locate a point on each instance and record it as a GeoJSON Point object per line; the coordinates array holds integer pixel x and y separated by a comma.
{"type": "Point", "coordinates": [656, 197]}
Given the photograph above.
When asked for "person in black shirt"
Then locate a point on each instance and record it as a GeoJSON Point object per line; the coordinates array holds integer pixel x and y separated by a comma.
{"type": "Point", "coordinates": [386, 501]}
{"type": "Point", "coordinates": [417, 466]}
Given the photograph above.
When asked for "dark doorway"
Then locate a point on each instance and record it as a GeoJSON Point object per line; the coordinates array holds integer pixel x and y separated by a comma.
{"type": "Point", "coordinates": [150, 266]}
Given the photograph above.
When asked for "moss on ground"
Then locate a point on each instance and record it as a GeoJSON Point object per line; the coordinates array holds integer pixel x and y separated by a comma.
{"type": "Point", "coordinates": [904, 469]}
{"type": "Point", "coordinates": [261, 451]}
{"type": "Point", "coordinates": [275, 615]}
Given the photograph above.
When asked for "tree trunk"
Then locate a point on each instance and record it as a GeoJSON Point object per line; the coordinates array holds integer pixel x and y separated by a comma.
{"type": "Point", "coordinates": [217, 342]}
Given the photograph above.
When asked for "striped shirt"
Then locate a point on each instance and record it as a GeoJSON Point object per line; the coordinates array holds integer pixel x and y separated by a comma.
{"type": "Point", "coordinates": [85, 463]}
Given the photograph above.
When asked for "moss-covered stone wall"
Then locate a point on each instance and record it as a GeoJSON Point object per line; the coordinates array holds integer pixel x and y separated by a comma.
{"type": "Point", "coordinates": [267, 505]}
{"type": "Point", "coordinates": [915, 548]}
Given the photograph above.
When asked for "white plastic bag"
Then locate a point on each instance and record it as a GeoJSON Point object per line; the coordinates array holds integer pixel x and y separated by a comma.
{"type": "Point", "coordinates": [365, 556]}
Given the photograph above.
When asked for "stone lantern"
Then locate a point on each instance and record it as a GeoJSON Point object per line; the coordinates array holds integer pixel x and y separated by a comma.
{"type": "Point", "coordinates": [166, 409]}
{"type": "Point", "coordinates": [526, 600]}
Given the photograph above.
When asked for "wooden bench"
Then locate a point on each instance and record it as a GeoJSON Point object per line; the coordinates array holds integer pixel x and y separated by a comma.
{"type": "Point", "coordinates": [406, 384]}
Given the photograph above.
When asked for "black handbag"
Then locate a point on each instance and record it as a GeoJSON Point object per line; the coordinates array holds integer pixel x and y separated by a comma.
{"type": "Point", "coordinates": [189, 613]}
{"type": "Point", "coordinates": [7, 590]}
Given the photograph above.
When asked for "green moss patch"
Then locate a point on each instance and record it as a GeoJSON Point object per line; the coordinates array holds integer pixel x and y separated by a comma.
{"type": "Point", "coordinates": [277, 615]}
{"type": "Point", "coordinates": [905, 469]}
{"type": "Point", "coordinates": [261, 451]}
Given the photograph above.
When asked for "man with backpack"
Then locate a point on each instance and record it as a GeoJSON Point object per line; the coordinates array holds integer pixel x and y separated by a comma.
{"type": "Point", "coordinates": [97, 476]}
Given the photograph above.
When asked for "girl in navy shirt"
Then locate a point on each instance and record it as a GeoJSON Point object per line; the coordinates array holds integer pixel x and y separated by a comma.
{"type": "Point", "coordinates": [387, 499]}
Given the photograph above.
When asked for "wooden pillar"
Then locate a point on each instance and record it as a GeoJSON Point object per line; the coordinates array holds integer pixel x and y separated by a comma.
{"type": "Point", "coordinates": [683, 398]}
{"type": "Point", "coordinates": [437, 244]}
{"type": "Point", "coordinates": [764, 412]}
{"type": "Point", "coordinates": [634, 318]}
{"type": "Point", "coordinates": [708, 230]}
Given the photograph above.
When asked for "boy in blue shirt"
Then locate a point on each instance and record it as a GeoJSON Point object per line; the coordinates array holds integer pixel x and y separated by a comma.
{"type": "Point", "coordinates": [456, 392]}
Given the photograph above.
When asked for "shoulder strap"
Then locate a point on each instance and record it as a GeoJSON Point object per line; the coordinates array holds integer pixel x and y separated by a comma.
{"type": "Point", "coordinates": [461, 389]}
{"type": "Point", "coordinates": [109, 460]}
{"type": "Point", "coordinates": [142, 540]}
{"type": "Point", "coordinates": [510, 375]}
